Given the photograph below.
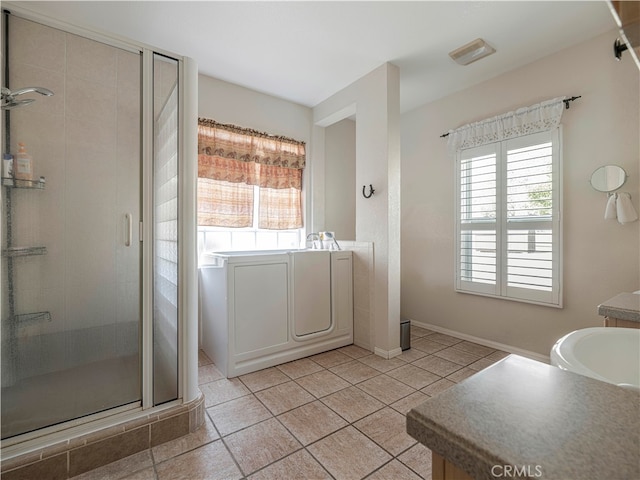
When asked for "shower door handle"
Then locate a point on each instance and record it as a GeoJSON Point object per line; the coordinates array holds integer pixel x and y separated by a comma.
{"type": "Point", "coordinates": [129, 236]}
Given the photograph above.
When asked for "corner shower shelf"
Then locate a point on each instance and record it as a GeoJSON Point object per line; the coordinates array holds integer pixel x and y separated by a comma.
{"type": "Point", "coordinates": [13, 252]}
{"type": "Point", "coordinates": [15, 183]}
{"type": "Point", "coordinates": [26, 318]}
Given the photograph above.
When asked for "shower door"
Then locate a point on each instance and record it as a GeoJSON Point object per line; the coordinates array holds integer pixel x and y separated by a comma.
{"type": "Point", "coordinates": [165, 229]}
{"type": "Point", "coordinates": [80, 354]}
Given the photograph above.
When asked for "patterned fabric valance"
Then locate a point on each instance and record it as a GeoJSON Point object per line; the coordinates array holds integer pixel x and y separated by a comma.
{"type": "Point", "coordinates": [233, 171]}
{"type": "Point", "coordinates": [232, 161]}
{"type": "Point", "coordinates": [536, 118]}
{"type": "Point", "coordinates": [245, 145]}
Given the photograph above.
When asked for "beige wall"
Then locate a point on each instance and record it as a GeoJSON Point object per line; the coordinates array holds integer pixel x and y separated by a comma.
{"type": "Point", "coordinates": [340, 179]}
{"type": "Point", "coordinates": [229, 103]}
{"type": "Point", "coordinates": [601, 258]}
{"type": "Point", "coordinates": [375, 101]}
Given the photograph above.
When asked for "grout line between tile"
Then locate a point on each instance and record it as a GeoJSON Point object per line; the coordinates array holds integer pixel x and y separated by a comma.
{"type": "Point", "coordinates": [322, 400]}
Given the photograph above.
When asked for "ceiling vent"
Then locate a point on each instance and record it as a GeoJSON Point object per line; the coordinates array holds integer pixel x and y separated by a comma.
{"type": "Point", "coordinates": [471, 52]}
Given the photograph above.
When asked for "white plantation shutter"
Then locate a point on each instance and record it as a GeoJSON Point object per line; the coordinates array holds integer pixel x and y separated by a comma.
{"type": "Point", "coordinates": [532, 221]}
{"type": "Point", "coordinates": [508, 228]}
{"type": "Point", "coordinates": [477, 239]}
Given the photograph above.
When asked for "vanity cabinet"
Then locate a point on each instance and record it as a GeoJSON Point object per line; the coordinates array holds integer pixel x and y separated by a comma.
{"type": "Point", "coordinates": [618, 322]}
{"type": "Point", "coordinates": [520, 418]}
{"type": "Point", "coordinates": [443, 469]}
{"type": "Point", "coordinates": [623, 310]}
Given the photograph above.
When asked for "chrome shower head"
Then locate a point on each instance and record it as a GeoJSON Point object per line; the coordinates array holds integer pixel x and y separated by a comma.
{"type": "Point", "coordinates": [9, 101]}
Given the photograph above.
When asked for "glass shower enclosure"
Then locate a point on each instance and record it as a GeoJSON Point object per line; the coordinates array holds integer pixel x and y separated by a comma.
{"type": "Point", "coordinates": [90, 242]}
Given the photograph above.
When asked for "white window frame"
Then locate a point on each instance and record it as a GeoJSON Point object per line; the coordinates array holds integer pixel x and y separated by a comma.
{"type": "Point", "coordinates": [282, 242]}
{"type": "Point", "coordinates": [501, 289]}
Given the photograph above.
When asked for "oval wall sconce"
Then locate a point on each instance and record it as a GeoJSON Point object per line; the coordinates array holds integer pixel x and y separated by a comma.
{"type": "Point", "coordinates": [364, 190]}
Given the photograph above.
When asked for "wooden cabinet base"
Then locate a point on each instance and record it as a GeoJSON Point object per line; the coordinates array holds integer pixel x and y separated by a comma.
{"type": "Point", "coordinates": [616, 322]}
{"type": "Point", "coordinates": [442, 469]}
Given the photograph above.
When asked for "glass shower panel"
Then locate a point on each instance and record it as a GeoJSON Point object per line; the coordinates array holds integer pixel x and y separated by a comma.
{"type": "Point", "coordinates": [165, 211]}
{"type": "Point", "coordinates": [70, 251]}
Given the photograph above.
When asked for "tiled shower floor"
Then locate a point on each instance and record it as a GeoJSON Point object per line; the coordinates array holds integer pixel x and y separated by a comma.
{"type": "Point", "coordinates": [68, 394]}
{"type": "Point", "coordinates": [336, 415]}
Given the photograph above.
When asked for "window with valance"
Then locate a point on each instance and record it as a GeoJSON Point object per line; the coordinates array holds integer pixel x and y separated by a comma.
{"type": "Point", "coordinates": [232, 162]}
{"type": "Point", "coordinates": [508, 205]}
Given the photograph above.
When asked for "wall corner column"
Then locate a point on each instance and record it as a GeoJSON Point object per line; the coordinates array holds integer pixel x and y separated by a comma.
{"type": "Point", "coordinates": [375, 100]}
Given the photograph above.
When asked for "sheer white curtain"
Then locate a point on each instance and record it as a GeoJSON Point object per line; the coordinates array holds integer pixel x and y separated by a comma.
{"type": "Point", "coordinates": [540, 117]}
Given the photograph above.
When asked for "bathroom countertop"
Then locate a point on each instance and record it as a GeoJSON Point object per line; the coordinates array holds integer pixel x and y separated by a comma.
{"type": "Point", "coordinates": [552, 423]}
{"type": "Point", "coordinates": [625, 306]}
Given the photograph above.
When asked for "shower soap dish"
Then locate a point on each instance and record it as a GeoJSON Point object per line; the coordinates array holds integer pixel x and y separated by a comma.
{"type": "Point", "coordinates": [23, 251]}
{"type": "Point", "coordinates": [27, 318]}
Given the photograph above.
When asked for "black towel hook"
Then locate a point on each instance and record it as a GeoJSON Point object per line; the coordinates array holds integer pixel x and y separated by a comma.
{"type": "Point", "coordinates": [618, 48]}
{"type": "Point", "coordinates": [371, 191]}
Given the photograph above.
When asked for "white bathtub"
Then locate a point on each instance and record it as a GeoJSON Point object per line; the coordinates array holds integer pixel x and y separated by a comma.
{"type": "Point", "coordinates": [263, 308]}
{"type": "Point", "coordinates": [248, 253]}
{"type": "Point", "coordinates": [609, 354]}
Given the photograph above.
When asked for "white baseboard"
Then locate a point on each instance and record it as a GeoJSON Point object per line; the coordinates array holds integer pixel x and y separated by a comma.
{"type": "Point", "coordinates": [486, 343]}
{"type": "Point", "coordinates": [387, 354]}
{"type": "Point", "coordinates": [366, 346]}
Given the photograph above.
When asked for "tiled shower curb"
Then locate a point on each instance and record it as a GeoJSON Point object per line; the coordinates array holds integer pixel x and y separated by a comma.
{"type": "Point", "coordinates": [87, 452]}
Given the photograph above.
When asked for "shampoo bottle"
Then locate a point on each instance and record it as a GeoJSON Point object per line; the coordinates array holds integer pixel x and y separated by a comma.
{"type": "Point", "coordinates": [23, 168]}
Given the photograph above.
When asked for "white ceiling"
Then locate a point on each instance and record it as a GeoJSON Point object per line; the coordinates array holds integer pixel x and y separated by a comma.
{"type": "Point", "coordinates": [306, 51]}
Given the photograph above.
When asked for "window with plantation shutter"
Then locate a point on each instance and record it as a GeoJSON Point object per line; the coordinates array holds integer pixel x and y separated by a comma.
{"type": "Point", "coordinates": [508, 226]}
{"type": "Point", "coordinates": [478, 219]}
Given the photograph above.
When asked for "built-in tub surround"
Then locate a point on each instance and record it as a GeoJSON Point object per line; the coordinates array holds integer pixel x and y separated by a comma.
{"type": "Point", "coordinates": [546, 422]}
{"type": "Point", "coordinates": [363, 280]}
{"type": "Point", "coordinates": [623, 310]}
{"type": "Point", "coordinates": [260, 309]}
{"type": "Point", "coordinates": [363, 292]}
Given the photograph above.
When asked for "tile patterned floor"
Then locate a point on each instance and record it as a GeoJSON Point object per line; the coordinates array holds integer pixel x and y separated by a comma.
{"type": "Point", "coordinates": [337, 415]}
